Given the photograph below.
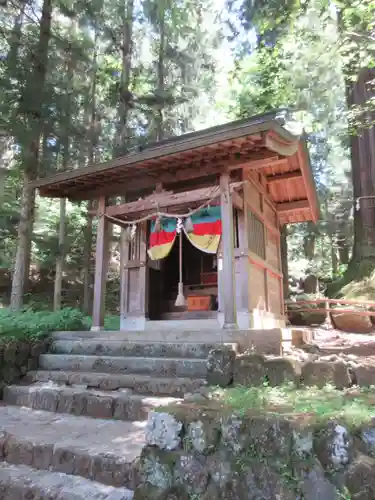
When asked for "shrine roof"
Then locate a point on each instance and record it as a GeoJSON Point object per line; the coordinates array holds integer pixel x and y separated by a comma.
{"type": "Point", "coordinates": [263, 143]}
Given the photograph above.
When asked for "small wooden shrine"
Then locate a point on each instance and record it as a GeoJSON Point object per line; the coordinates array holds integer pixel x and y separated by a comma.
{"type": "Point", "coordinates": [201, 222]}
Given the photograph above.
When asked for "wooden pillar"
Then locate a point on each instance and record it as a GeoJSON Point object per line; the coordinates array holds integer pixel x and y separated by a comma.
{"type": "Point", "coordinates": [228, 274]}
{"type": "Point", "coordinates": [124, 275]}
{"type": "Point", "coordinates": [101, 265]}
{"type": "Point", "coordinates": [134, 281]}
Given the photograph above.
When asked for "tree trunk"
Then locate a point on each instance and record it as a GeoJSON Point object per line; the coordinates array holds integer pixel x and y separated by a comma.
{"type": "Point", "coordinates": [31, 106]}
{"type": "Point", "coordinates": [159, 129]}
{"type": "Point", "coordinates": [60, 260]}
{"type": "Point", "coordinates": [87, 275]}
{"type": "Point", "coordinates": [122, 138]}
{"type": "Point", "coordinates": [15, 39]}
{"type": "Point", "coordinates": [87, 251]}
{"type": "Point", "coordinates": [24, 238]}
{"type": "Point", "coordinates": [363, 171]}
{"type": "Point", "coordinates": [60, 257]}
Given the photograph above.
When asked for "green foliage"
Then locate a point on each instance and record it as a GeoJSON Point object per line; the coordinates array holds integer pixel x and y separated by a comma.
{"type": "Point", "coordinates": [84, 99]}
{"type": "Point", "coordinates": [352, 407]}
{"type": "Point", "coordinates": [29, 324]}
{"type": "Point", "coordinates": [111, 322]}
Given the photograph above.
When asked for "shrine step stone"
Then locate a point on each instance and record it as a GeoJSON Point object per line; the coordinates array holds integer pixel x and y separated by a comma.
{"type": "Point", "coordinates": [140, 384]}
{"type": "Point", "coordinates": [120, 348]}
{"type": "Point", "coordinates": [105, 451]}
{"type": "Point", "coordinates": [160, 335]}
{"type": "Point", "coordinates": [77, 424]}
{"type": "Point", "coordinates": [119, 405]}
{"type": "Point", "coordinates": [23, 482]}
{"type": "Point", "coordinates": [164, 367]}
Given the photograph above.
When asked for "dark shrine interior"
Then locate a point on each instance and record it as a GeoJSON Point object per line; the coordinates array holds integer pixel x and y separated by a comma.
{"type": "Point", "coordinates": [199, 272]}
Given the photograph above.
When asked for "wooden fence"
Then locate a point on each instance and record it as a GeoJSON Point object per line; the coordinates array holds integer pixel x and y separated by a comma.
{"type": "Point", "coordinates": [327, 309]}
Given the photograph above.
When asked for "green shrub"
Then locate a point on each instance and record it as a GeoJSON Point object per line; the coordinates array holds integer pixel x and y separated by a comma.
{"type": "Point", "coordinates": [28, 323]}
{"type": "Point", "coordinates": [111, 322]}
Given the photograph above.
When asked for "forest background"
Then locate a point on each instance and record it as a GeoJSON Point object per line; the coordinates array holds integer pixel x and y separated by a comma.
{"type": "Point", "coordinates": [82, 81]}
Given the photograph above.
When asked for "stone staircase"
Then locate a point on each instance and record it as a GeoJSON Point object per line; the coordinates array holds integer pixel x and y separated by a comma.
{"type": "Point", "coordinates": [74, 428]}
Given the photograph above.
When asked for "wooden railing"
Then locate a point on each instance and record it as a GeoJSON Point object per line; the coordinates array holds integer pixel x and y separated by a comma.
{"type": "Point", "coordinates": [291, 307]}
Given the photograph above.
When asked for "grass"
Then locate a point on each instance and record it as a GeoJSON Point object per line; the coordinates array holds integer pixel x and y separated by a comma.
{"type": "Point", "coordinates": [354, 406]}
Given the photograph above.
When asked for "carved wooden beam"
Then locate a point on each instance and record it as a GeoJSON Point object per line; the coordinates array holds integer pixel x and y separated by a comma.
{"type": "Point", "coordinates": [292, 205]}
{"type": "Point", "coordinates": [150, 204]}
{"type": "Point", "coordinates": [170, 200]}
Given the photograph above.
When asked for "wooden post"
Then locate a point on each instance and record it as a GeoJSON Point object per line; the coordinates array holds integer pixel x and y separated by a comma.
{"type": "Point", "coordinates": [101, 265]}
{"type": "Point", "coordinates": [328, 320]}
{"type": "Point", "coordinates": [124, 275]}
{"type": "Point", "coordinates": [229, 303]}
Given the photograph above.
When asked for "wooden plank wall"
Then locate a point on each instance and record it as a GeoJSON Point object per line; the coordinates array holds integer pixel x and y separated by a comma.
{"type": "Point", "coordinates": [263, 232]}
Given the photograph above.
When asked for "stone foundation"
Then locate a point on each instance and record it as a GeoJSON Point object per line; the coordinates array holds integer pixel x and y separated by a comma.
{"type": "Point", "coordinates": [210, 453]}
{"type": "Point", "coordinates": [17, 357]}
{"type": "Point", "coordinates": [226, 367]}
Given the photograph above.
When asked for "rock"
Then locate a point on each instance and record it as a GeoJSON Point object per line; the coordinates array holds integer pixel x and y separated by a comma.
{"type": "Point", "coordinates": [360, 478]}
{"type": "Point", "coordinates": [191, 473]}
{"type": "Point", "coordinates": [99, 406]}
{"type": "Point", "coordinates": [163, 431]}
{"type": "Point", "coordinates": [282, 369]}
{"type": "Point", "coordinates": [220, 469]}
{"type": "Point", "coordinates": [10, 353]}
{"type": "Point", "coordinates": [231, 433]}
{"type": "Point", "coordinates": [249, 370]}
{"type": "Point", "coordinates": [23, 353]}
{"type": "Point", "coordinates": [10, 373]}
{"type": "Point", "coordinates": [151, 493]}
{"type": "Point", "coordinates": [315, 486]}
{"type": "Point", "coordinates": [302, 443]}
{"type": "Point", "coordinates": [220, 366]}
{"type": "Point", "coordinates": [364, 375]}
{"type": "Point", "coordinates": [321, 373]}
{"type": "Point", "coordinates": [44, 399]}
{"type": "Point", "coordinates": [263, 482]}
{"type": "Point", "coordinates": [334, 447]}
{"type": "Point", "coordinates": [156, 469]}
{"type": "Point", "coordinates": [368, 440]}
{"type": "Point", "coordinates": [32, 364]}
{"type": "Point", "coordinates": [260, 436]}
{"type": "Point", "coordinates": [270, 437]}
{"type": "Point", "coordinates": [202, 435]}
{"type": "Point", "coordinates": [39, 347]}
{"type": "Point", "coordinates": [352, 322]}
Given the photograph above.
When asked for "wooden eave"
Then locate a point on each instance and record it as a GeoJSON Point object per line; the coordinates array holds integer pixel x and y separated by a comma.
{"type": "Point", "coordinates": [261, 144]}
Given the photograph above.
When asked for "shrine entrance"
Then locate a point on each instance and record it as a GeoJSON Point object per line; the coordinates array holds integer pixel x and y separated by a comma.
{"type": "Point", "coordinates": [200, 284]}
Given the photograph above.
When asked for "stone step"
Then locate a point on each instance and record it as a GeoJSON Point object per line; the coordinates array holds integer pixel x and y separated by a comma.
{"type": "Point", "coordinates": [105, 451]}
{"type": "Point", "coordinates": [259, 340]}
{"type": "Point", "coordinates": [21, 481]}
{"type": "Point", "coordinates": [141, 384]}
{"type": "Point", "coordinates": [134, 349]}
{"type": "Point", "coordinates": [214, 336]}
{"type": "Point", "coordinates": [164, 367]}
{"type": "Point", "coordinates": [82, 401]}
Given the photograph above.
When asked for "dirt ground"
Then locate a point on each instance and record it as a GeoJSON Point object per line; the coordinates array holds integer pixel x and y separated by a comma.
{"type": "Point", "coordinates": [331, 341]}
